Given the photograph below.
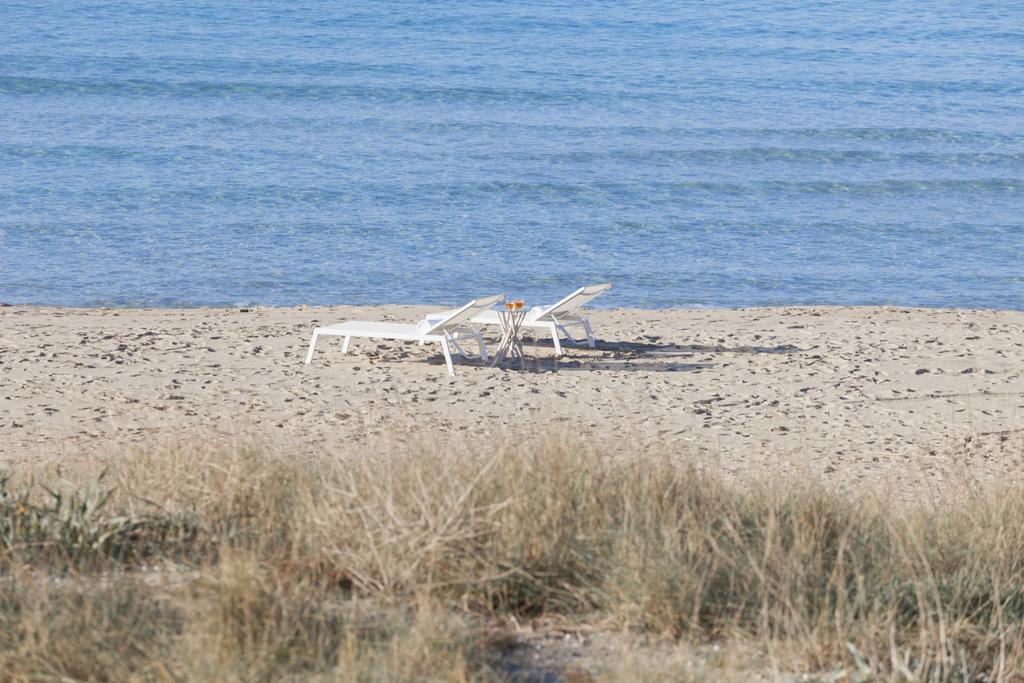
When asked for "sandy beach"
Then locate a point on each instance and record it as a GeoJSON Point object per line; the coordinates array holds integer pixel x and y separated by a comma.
{"type": "Point", "coordinates": [885, 395]}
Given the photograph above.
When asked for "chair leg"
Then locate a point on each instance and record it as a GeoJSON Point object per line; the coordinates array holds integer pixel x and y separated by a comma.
{"type": "Point", "coordinates": [312, 347]}
{"type": "Point", "coordinates": [447, 356]}
{"type": "Point", "coordinates": [455, 347]}
{"type": "Point", "coordinates": [344, 344]}
{"type": "Point", "coordinates": [482, 345]}
{"type": "Point", "coordinates": [554, 338]}
{"type": "Point", "coordinates": [590, 335]}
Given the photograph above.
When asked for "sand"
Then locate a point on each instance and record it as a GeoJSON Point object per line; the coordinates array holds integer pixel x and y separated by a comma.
{"type": "Point", "coordinates": [902, 397]}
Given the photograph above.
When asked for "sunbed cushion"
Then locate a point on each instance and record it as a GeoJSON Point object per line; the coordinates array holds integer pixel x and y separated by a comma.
{"type": "Point", "coordinates": [359, 328]}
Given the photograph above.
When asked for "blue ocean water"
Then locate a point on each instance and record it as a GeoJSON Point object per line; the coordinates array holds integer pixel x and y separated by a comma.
{"type": "Point", "coordinates": [167, 153]}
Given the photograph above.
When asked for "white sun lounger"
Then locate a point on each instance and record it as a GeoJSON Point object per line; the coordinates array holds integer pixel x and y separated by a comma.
{"type": "Point", "coordinates": [556, 318]}
{"type": "Point", "coordinates": [444, 330]}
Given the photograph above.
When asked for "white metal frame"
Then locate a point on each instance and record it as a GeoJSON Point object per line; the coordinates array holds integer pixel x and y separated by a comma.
{"type": "Point", "coordinates": [445, 331]}
{"type": "Point", "coordinates": [557, 318]}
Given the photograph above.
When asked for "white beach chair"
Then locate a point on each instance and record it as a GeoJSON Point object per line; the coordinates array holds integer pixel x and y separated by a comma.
{"type": "Point", "coordinates": [445, 330]}
{"type": "Point", "coordinates": [556, 318]}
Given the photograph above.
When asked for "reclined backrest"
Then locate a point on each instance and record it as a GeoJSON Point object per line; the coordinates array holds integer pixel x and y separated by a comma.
{"type": "Point", "coordinates": [581, 297]}
{"type": "Point", "coordinates": [463, 315]}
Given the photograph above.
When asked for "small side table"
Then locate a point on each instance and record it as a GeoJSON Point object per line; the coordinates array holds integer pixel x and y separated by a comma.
{"type": "Point", "coordinates": [511, 345]}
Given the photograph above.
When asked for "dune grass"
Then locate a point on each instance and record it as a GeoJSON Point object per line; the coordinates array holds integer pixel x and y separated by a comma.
{"type": "Point", "coordinates": [252, 564]}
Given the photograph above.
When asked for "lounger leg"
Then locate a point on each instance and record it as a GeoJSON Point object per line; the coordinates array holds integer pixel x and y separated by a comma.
{"type": "Point", "coordinates": [568, 334]}
{"type": "Point", "coordinates": [447, 356]}
{"type": "Point", "coordinates": [481, 344]}
{"type": "Point", "coordinates": [312, 347]}
{"type": "Point", "coordinates": [554, 338]}
{"type": "Point", "coordinates": [453, 344]}
{"type": "Point", "coordinates": [590, 335]}
{"type": "Point", "coordinates": [344, 344]}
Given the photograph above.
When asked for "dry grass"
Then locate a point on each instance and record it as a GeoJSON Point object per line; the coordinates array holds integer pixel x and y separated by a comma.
{"type": "Point", "coordinates": [251, 564]}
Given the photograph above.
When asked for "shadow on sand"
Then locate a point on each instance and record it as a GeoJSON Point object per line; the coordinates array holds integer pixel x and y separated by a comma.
{"type": "Point", "coordinates": [652, 348]}
{"type": "Point", "coordinates": [628, 366]}
{"type": "Point", "coordinates": [631, 356]}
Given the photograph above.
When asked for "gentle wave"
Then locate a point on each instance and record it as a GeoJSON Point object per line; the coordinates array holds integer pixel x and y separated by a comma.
{"type": "Point", "coordinates": [411, 92]}
{"type": "Point", "coordinates": [789, 155]}
{"type": "Point", "coordinates": [527, 191]}
{"type": "Point", "coordinates": [285, 91]}
{"type": "Point", "coordinates": [693, 156]}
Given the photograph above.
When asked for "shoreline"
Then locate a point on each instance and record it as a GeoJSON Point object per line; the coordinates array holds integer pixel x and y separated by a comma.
{"type": "Point", "coordinates": [855, 395]}
{"type": "Point", "coordinates": [433, 307]}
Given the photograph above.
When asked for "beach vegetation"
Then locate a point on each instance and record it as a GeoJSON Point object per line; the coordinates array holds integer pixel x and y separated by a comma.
{"type": "Point", "coordinates": [423, 561]}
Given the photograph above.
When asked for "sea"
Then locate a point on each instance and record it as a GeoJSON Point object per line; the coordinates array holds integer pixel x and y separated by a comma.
{"type": "Point", "coordinates": [173, 153]}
